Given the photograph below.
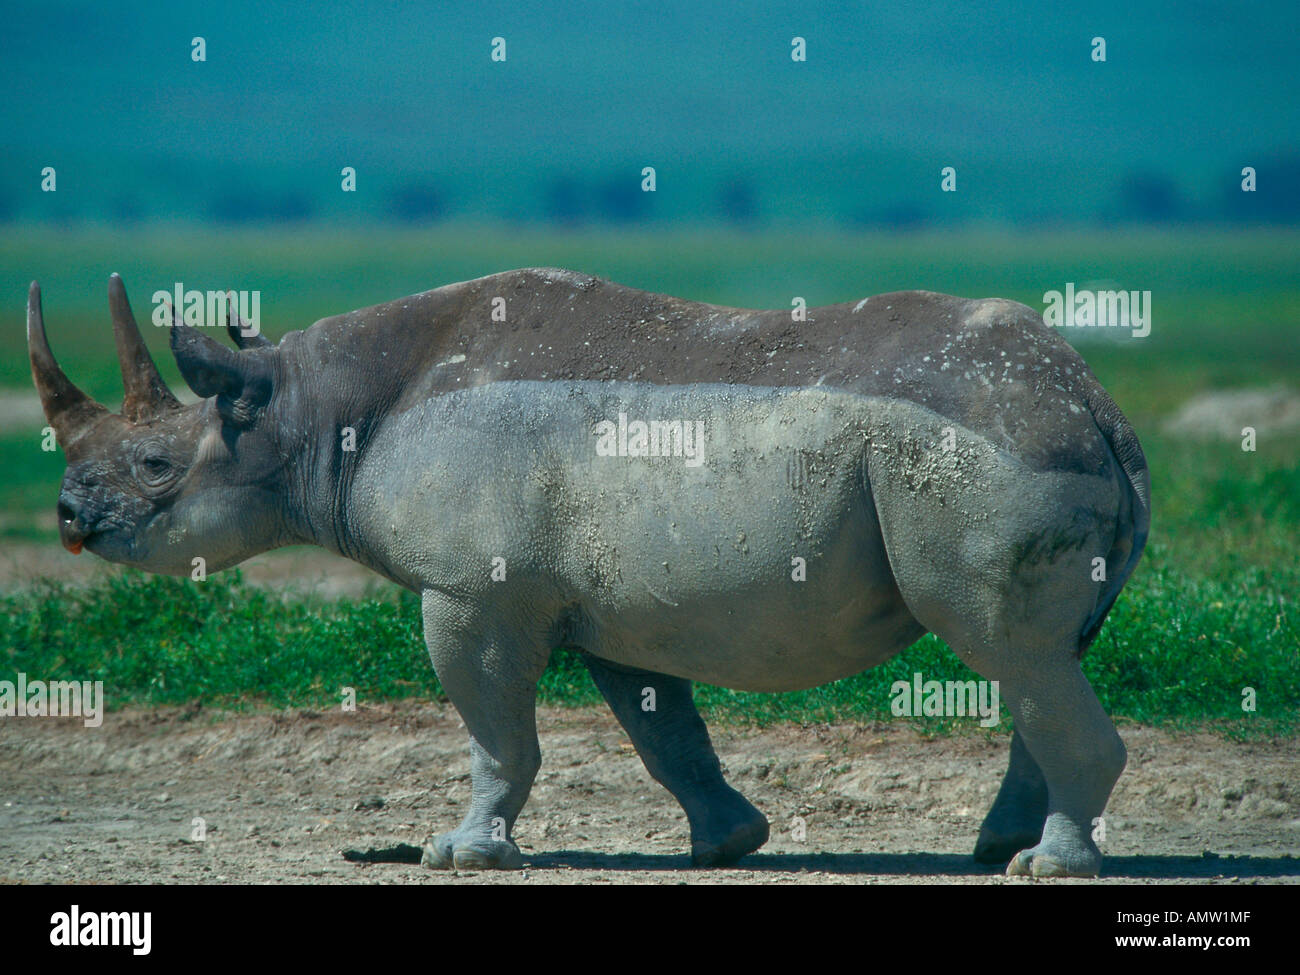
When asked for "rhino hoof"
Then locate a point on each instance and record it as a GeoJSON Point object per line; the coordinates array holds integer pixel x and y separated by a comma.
{"type": "Point", "coordinates": [1028, 863]}
{"type": "Point", "coordinates": [744, 839]}
{"type": "Point", "coordinates": [450, 852]}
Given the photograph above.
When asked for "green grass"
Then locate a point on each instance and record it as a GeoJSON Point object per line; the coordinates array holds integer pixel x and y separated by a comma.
{"type": "Point", "coordinates": [1173, 652]}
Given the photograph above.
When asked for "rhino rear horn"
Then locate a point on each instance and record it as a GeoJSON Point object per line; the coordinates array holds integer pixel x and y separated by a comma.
{"type": "Point", "coordinates": [69, 411]}
{"type": "Point", "coordinates": [241, 382]}
{"type": "Point", "coordinates": [147, 394]}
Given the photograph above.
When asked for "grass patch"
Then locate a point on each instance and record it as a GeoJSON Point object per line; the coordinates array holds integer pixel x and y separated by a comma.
{"type": "Point", "coordinates": [1175, 651]}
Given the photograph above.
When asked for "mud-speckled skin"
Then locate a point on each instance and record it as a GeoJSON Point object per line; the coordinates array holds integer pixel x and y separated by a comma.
{"type": "Point", "coordinates": [906, 463]}
{"type": "Point", "coordinates": [644, 560]}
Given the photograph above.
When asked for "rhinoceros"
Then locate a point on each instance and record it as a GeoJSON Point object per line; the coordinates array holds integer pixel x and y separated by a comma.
{"type": "Point", "coordinates": [680, 491]}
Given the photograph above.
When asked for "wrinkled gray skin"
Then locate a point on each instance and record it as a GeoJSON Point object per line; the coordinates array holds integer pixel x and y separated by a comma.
{"type": "Point", "coordinates": [939, 464]}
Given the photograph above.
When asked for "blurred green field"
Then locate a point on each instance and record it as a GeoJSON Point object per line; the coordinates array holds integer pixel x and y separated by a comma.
{"type": "Point", "coordinates": [1226, 303]}
{"type": "Point", "coordinates": [1210, 610]}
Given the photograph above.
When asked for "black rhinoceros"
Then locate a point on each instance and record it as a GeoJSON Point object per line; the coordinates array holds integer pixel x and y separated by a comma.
{"type": "Point", "coordinates": [549, 458]}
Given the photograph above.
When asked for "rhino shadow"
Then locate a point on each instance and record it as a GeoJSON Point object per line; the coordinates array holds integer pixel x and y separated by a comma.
{"type": "Point", "coordinates": [927, 864]}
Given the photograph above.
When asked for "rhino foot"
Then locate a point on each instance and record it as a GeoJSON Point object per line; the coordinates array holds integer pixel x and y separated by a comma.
{"type": "Point", "coordinates": [1000, 845]}
{"type": "Point", "coordinates": [1066, 850]}
{"type": "Point", "coordinates": [721, 845]}
{"type": "Point", "coordinates": [1045, 861]}
{"type": "Point", "coordinates": [461, 851]}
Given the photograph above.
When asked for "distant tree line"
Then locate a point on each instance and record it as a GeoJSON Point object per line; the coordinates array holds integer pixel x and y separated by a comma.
{"type": "Point", "coordinates": [740, 199]}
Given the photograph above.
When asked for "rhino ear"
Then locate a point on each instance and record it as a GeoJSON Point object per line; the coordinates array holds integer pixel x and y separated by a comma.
{"type": "Point", "coordinates": [242, 383]}
{"type": "Point", "coordinates": [240, 331]}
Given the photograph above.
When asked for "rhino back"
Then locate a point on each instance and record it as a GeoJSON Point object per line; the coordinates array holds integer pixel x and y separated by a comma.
{"type": "Point", "coordinates": [990, 365]}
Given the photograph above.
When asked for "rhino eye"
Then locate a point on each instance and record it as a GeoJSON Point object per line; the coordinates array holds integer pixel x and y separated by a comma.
{"type": "Point", "coordinates": [155, 467]}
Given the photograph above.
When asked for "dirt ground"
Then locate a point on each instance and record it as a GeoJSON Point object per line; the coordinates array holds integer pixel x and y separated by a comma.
{"type": "Point", "coordinates": [284, 793]}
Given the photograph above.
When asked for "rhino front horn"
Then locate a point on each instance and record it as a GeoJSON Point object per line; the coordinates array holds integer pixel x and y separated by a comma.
{"type": "Point", "coordinates": [70, 411]}
{"type": "Point", "coordinates": [147, 394]}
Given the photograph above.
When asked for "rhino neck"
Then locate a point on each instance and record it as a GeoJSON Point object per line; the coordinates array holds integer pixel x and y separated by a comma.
{"type": "Point", "coordinates": [342, 380]}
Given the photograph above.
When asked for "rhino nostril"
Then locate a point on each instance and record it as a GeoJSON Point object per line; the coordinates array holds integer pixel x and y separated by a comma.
{"type": "Point", "coordinates": [72, 532]}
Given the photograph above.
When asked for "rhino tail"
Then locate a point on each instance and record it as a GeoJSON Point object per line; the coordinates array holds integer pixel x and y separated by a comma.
{"type": "Point", "coordinates": [1134, 521]}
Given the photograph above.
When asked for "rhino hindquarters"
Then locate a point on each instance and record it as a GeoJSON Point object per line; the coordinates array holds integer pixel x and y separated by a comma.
{"type": "Point", "coordinates": [994, 557]}
{"type": "Point", "coordinates": [997, 559]}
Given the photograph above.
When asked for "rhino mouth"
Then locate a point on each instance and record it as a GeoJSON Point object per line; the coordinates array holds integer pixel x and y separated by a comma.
{"type": "Point", "coordinates": [72, 533]}
{"type": "Point", "coordinates": [100, 540]}
{"type": "Point", "coordinates": [75, 541]}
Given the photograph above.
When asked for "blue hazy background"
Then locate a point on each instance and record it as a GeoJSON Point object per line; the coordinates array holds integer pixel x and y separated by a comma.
{"type": "Point", "coordinates": [739, 134]}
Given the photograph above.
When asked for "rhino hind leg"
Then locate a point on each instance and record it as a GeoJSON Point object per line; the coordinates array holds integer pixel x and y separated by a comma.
{"type": "Point", "coordinates": [1075, 745]}
{"type": "Point", "coordinates": [996, 558]}
{"type": "Point", "coordinates": [674, 744]}
{"type": "Point", "coordinates": [491, 677]}
{"type": "Point", "coordinates": [1016, 820]}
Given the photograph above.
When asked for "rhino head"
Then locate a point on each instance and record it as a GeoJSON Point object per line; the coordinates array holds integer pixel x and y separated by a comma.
{"type": "Point", "coordinates": [161, 483]}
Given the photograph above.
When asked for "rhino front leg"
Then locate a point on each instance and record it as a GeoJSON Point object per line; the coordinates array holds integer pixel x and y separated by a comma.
{"type": "Point", "coordinates": [491, 677]}
{"type": "Point", "coordinates": [674, 745]}
{"type": "Point", "coordinates": [1020, 810]}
